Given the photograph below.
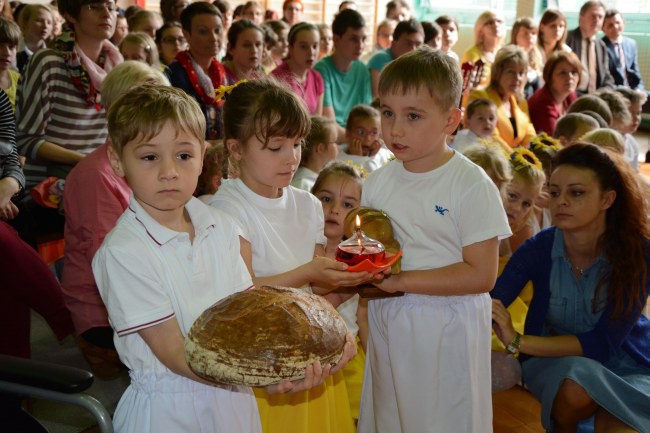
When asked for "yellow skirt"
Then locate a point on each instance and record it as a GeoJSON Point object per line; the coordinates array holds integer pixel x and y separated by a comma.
{"type": "Point", "coordinates": [323, 409]}
{"type": "Point", "coordinates": [353, 373]}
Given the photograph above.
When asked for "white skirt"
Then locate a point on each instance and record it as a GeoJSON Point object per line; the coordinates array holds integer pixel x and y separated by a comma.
{"type": "Point", "coordinates": [169, 403]}
{"type": "Point", "coordinates": [428, 365]}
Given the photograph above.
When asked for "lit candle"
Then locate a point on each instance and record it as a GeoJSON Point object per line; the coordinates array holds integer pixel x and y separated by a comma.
{"type": "Point", "coordinates": [359, 248]}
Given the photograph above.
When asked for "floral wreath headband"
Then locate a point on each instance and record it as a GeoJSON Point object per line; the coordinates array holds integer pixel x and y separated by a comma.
{"type": "Point", "coordinates": [544, 142]}
{"type": "Point", "coordinates": [223, 90]}
{"type": "Point", "coordinates": [523, 159]}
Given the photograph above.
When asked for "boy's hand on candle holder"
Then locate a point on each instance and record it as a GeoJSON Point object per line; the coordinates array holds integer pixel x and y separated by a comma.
{"type": "Point", "coordinates": [327, 273]}
{"type": "Point", "coordinates": [389, 283]}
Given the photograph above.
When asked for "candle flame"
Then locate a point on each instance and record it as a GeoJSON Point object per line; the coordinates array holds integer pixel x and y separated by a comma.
{"type": "Point", "coordinates": [358, 221]}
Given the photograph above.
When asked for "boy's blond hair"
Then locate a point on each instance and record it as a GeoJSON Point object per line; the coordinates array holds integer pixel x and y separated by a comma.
{"type": "Point", "coordinates": [30, 11]}
{"type": "Point", "coordinates": [605, 138]}
{"type": "Point", "coordinates": [145, 42]}
{"type": "Point", "coordinates": [145, 110]}
{"type": "Point", "coordinates": [323, 131]}
{"type": "Point", "coordinates": [424, 69]}
{"type": "Point", "coordinates": [126, 76]}
{"type": "Point", "coordinates": [570, 123]}
{"type": "Point", "coordinates": [592, 103]}
{"type": "Point", "coordinates": [618, 106]}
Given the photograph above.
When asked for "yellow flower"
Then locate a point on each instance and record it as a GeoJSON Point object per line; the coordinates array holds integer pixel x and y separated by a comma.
{"type": "Point", "coordinates": [522, 158]}
{"type": "Point", "coordinates": [362, 171]}
{"type": "Point", "coordinates": [544, 141]}
{"type": "Point", "coordinates": [224, 90]}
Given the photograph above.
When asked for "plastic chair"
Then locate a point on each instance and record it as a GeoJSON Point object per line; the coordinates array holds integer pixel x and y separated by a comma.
{"type": "Point", "coordinates": [43, 380]}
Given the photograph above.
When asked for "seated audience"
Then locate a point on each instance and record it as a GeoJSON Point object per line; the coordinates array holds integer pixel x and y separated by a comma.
{"type": "Point", "coordinates": [93, 201]}
{"type": "Point", "coordinates": [171, 9]}
{"type": "Point", "coordinates": [480, 123]}
{"type": "Point", "coordinates": [636, 98]}
{"type": "Point", "coordinates": [591, 51]}
{"type": "Point", "coordinates": [9, 39]}
{"type": "Point", "coordinates": [524, 34]}
{"type": "Point", "coordinates": [364, 147]}
{"type": "Point", "coordinates": [36, 22]}
{"type": "Point", "coordinates": [140, 47]}
{"type": "Point", "coordinates": [196, 70]}
{"type": "Point", "coordinates": [243, 60]}
{"type": "Point", "coordinates": [121, 29]}
{"type": "Point", "coordinates": [292, 11]}
{"type": "Point", "coordinates": [326, 40]}
{"type": "Point", "coordinates": [432, 34]}
{"type": "Point", "coordinates": [623, 52]}
{"type": "Point", "coordinates": [506, 82]}
{"type": "Point", "coordinates": [145, 21]}
{"type": "Point", "coordinates": [385, 30]}
{"type": "Point", "coordinates": [281, 49]}
{"type": "Point", "coordinates": [253, 11]}
{"type": "Point", "coordinates": [584, 352]}
{"type": "Point", "coordinates": [170, 41]}
{"type": "Point", "coordinates": [595, 104]}
{"type": "Point", "coordinates": [549, 103]}
{"type": "Point", "coordinates": [489, 33]}
{"type": "Point", "coordinates": [606, 138]}
{"type": "Point", "coordinates": [398, 10]}
{"type": "Point", "coordinates": [570, 127]}
{"type": "Point", "coordinates": [552, 33]}
{"type": "Point", "coordinates": [449, 26]}
{"type": "Point", "coordinates": [297, 70]}
{"type": "Point", "coordinates": [347, 80]}
{"type": "Point", "coordinates": [268, 62]}
{"type": "Point", "coordinates": [408, 36]}
{"type": "Point", "coordinates": [618, 107]}
{"type": "Point", "coordinates": [320, 149]}
{"type": "Point", "coordinates": [226, 15]}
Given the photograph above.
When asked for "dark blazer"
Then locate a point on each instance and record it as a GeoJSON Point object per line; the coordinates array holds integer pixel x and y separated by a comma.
{"type": "Point", "coordinates": [632, 72]}
{"type": "Point", "coordinates": [604, 77]}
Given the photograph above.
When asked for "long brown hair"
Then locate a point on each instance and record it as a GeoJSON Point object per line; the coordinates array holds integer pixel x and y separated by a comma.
{"type": "Point", "coordinates": [625, 240]}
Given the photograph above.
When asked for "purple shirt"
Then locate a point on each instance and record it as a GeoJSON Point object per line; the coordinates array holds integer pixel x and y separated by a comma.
{"type": "Point", "coordinates": [310, 91]}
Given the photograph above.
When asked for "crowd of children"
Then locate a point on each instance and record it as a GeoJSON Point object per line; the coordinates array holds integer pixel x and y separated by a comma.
{"type": "Point", "coordinates": [208, 150]}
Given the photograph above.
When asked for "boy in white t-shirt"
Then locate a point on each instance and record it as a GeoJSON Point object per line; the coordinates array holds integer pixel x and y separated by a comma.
{"type": "Point", "coordinates": [480, 123]}
{"type": "Point", "coordinates": [170, 257]}
{"type": "Point", "coordinates": [428, 359]}
{"type": "Point", "coordinates": [364, 147]}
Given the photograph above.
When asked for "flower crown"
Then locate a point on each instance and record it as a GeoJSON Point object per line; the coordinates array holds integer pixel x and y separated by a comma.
{"type": "Point", "coordinates": [523, 159]}
{"type": "Point", "coordinates": [543, 142]}
{"type": "Point", "coordinates": [224, 90]}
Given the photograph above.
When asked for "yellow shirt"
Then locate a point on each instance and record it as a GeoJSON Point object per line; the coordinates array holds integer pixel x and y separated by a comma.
{"type": "Point", "coordinates": [11, 90]}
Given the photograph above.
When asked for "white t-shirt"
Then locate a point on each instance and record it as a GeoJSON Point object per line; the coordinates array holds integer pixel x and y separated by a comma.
{"type": "Point", "coordinates": [147, 273]}
{"type": "Point", "coordinates": [283, 232]}
{"type": "Point", "coordinates": [437, 213]}
{"type": "Point", "coordinates": [632, 151]}
{"type": "Point", "coordinates": [464, 139]}
{"type": "Point", "coordinates": [369, 163]}
{"type": "Point", "coordinates": [304, 179]}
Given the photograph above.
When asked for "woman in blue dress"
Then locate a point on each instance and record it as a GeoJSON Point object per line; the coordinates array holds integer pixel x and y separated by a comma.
{"type": "Point", "coordinates": [585, 351]}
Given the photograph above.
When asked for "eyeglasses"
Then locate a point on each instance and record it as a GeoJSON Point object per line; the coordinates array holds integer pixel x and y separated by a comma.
{"type": "Point", "coordinates": [98, 8]}
{"type": "Point", "coordinates": [362, 132]}
{"type": "Point", "coordinates": [172, 40]}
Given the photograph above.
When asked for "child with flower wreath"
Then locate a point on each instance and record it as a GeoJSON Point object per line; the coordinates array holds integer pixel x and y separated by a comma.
{"type": "Point", "coordinates": [545, 148]}
{"type": "Point", "coordinates": [519, 198]}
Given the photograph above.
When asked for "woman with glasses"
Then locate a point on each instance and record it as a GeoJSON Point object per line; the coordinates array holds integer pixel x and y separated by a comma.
{"type": "Point", "coordinates": [59, 115]}
{"type": "Point", "coordinates": [170, 41]}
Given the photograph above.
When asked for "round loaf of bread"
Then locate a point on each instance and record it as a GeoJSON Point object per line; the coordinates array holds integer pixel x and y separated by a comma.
{"type": "Point", "coordinates": [263, 336]}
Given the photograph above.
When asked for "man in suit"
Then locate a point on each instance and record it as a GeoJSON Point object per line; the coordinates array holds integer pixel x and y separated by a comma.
{"type": "Point", "coordinates": [623, 53]}
{"type": "Point", "coordinates": [591, 51]}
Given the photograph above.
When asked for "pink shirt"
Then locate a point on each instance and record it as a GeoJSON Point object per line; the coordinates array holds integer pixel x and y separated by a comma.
{"type": "Point", "coordinates": [94, 198]}
{"type": "Point", "coordinates": [310, 91]}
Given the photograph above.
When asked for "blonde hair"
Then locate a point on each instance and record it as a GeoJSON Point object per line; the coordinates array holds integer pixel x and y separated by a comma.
{"type": "Point", "coordinates": [337, 168]}
{"type": "Point", "coordinates": [140, 17]}
{"type": "Point", "coordinates": [29, 11]}
{"type": "Point", "coordinates": [535, 61]}
{"type": "Point", "coordinates": [527, 167]}
{"type": "Point", "coordinates": [481, 21]}
{"type": "Point", "coordinates": [506, 55]}
{"type": "Point", "coordinates": [322, 131]}
{"type": "Point", "coordinates": [145, 42]}
{"type": "Point", "coordinates": [490, 158]}
{"type": "Point", "coordinates": [605, 138]}
{"type": "Point", "coordinates": [128, 75]}
{"type": "Point", "coordinates": [617, 104]}
{"type": "Point", "coordinates": [424, 69]}
{"type": "Point", "coordinates": [144, 111]}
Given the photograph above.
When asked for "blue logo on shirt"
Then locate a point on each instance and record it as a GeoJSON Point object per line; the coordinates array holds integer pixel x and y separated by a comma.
{"type": "Point", "coordinates": [441, 210]}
